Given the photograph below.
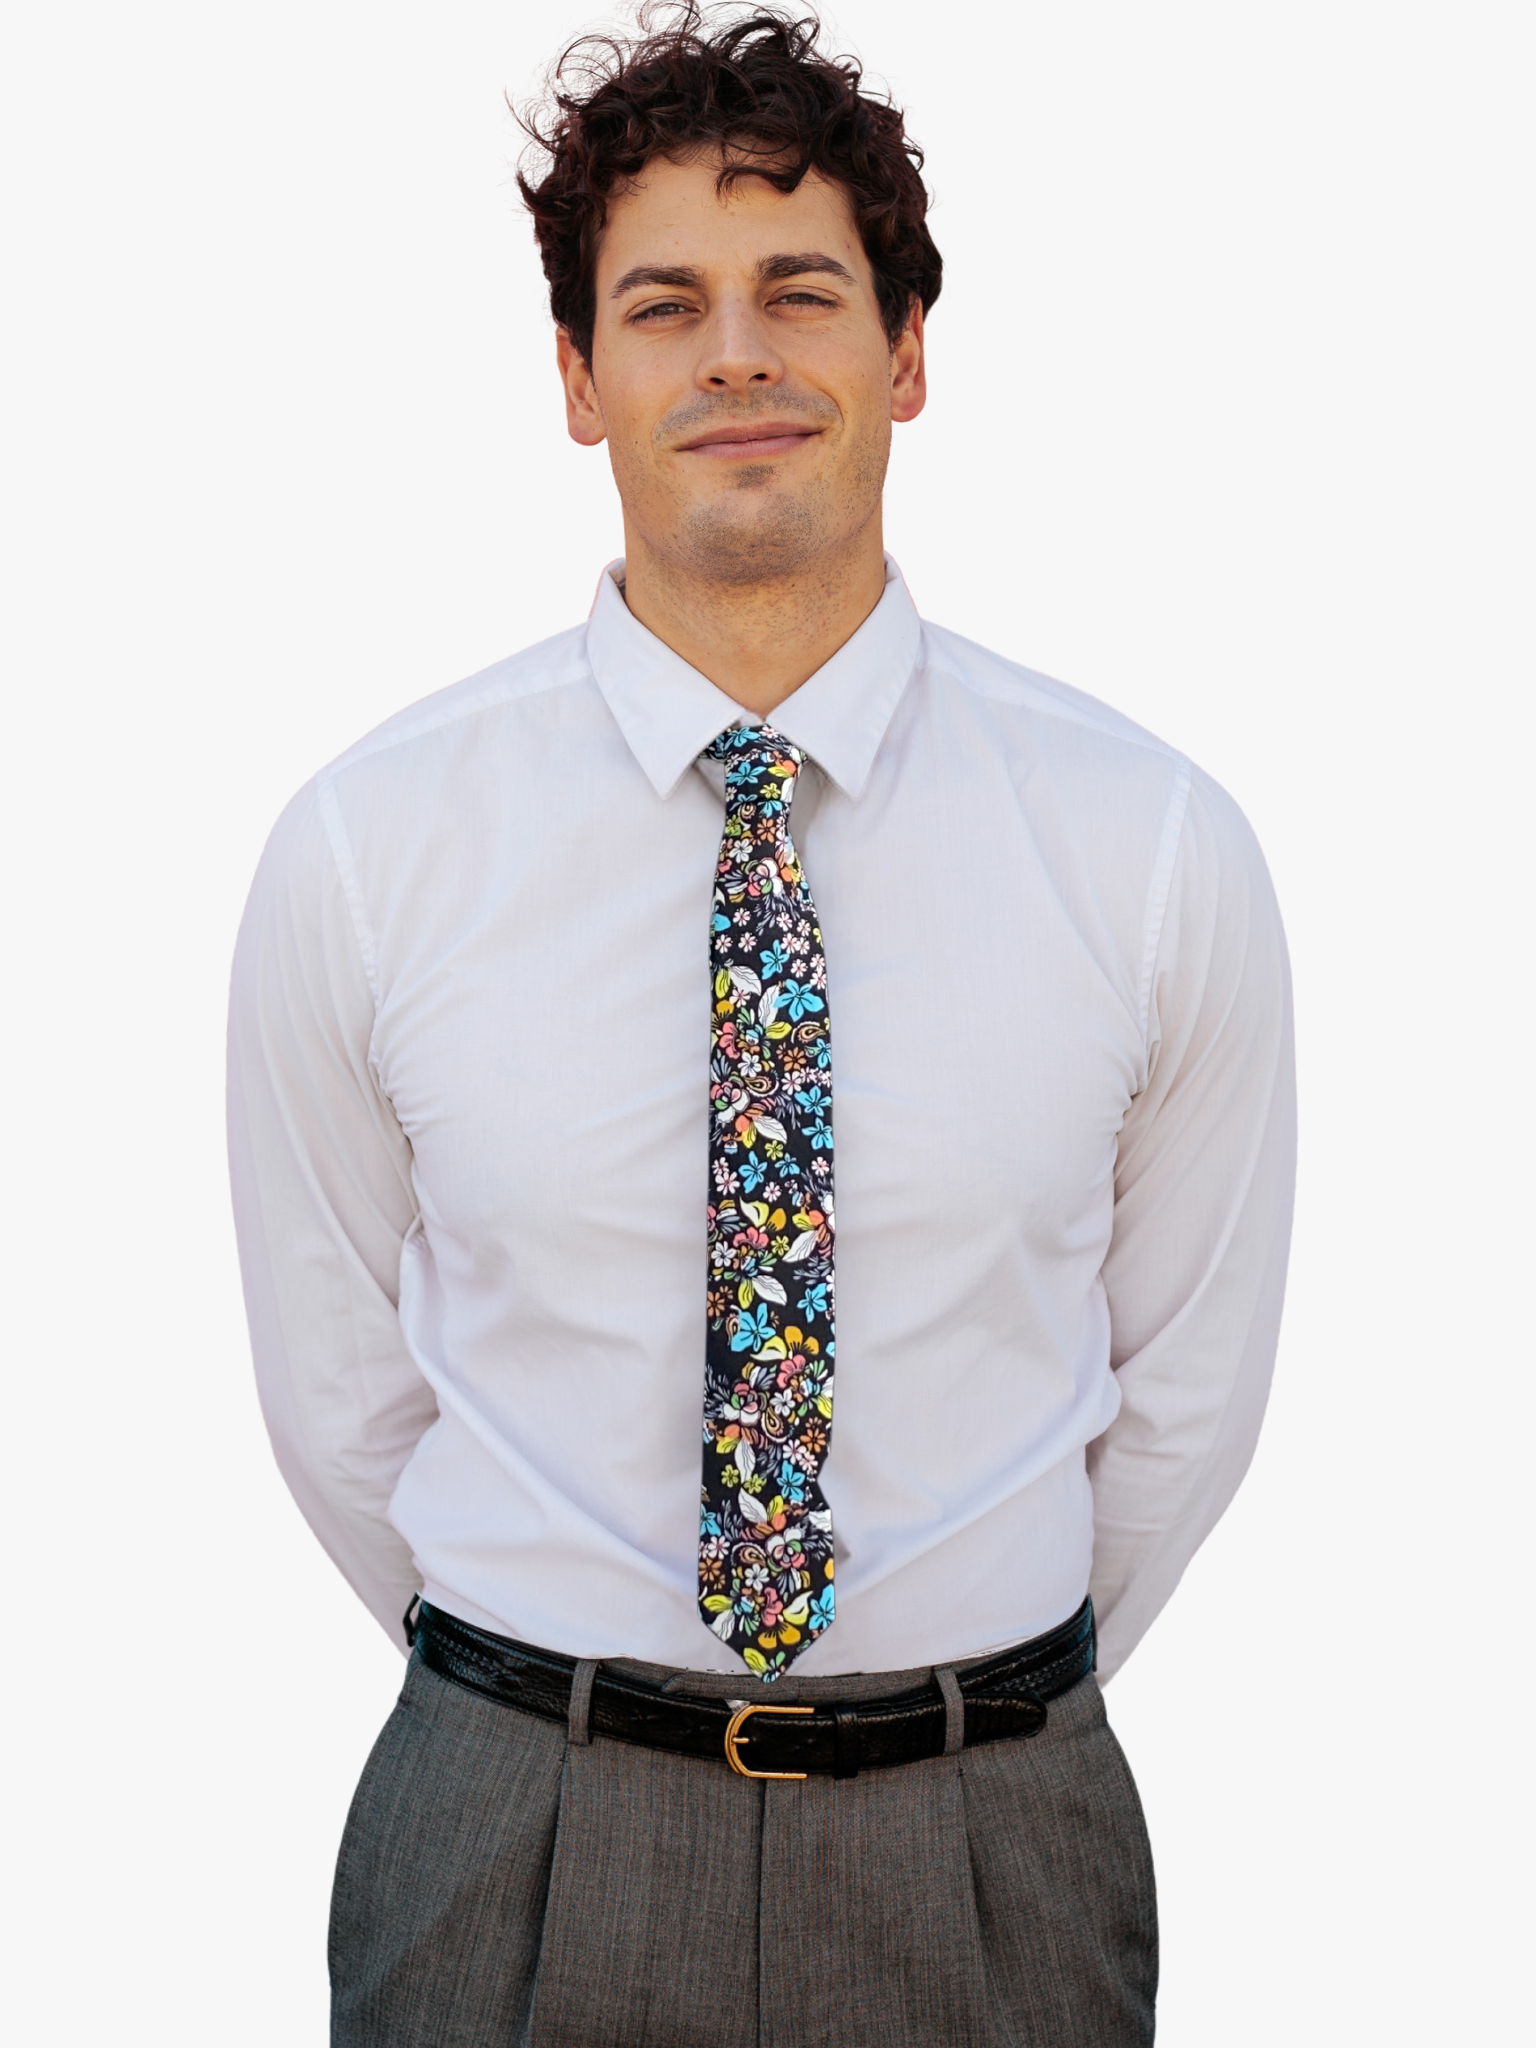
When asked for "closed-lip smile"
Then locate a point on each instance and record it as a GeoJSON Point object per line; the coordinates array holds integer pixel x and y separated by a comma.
{"type": "Point", "coordinates": [757, 439]}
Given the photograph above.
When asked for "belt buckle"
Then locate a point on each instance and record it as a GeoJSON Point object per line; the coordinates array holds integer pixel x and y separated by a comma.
{"type": "Point", "coordinates": [733, 1736]}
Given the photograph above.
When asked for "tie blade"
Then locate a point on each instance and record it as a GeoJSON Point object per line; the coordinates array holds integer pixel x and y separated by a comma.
{"type": "Point", "coordinates": [766, 1545]}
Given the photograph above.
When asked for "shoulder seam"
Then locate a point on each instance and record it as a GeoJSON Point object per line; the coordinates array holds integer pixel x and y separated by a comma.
{"type": "Point", "coordinates": [341, 853]}
{"type": "Point", "coordinates": [1160, 888]}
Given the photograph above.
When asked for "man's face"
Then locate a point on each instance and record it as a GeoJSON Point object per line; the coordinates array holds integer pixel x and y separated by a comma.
{"type": "Point", "coordinates": [740, 371]}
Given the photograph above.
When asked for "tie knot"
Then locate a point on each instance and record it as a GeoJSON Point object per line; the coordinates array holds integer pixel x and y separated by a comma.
{"type": "Point", "coordinates": [761, 766]}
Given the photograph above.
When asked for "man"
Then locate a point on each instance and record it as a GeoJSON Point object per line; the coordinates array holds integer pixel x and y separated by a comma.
{"type": "Point", "coordinates": [753, 1520]}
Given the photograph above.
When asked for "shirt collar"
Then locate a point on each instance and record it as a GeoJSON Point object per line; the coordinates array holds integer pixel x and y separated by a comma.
{"type": "Point", "coordinates": [668, 712]}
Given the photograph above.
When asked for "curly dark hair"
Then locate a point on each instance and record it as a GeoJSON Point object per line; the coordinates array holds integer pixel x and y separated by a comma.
{"type": "Point", "coordinates": [757, 88]}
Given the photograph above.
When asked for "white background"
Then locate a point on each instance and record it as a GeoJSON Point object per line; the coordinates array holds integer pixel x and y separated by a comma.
{"type": "Point", "coordinates": [1232, 425]}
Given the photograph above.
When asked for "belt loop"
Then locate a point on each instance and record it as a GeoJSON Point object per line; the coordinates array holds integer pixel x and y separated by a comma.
{"type": "Point", "coordinates": [954, 1709]}
{"type": "Point", "coordinates": [577, 1730]}
{"type": "Point", "coordinates": [410, 1620]}
{"type": "Point", "coordinates": [847, 1744]}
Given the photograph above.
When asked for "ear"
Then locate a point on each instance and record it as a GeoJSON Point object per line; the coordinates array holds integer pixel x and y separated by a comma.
{"type": "Point", "coordinates": [583, 415]}
{"type": "Point", "coordinates": [909, 380]}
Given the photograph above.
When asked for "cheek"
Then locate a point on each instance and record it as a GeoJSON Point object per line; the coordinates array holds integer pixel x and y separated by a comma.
{"type": "Point", "coordinates": [628, 401]}
{"type": "Point", "coordinates": [631, 456]}
{"type": "Point", "coordinates": [867, 411]}
{"type": "Point", "coordinates": [862, 388]}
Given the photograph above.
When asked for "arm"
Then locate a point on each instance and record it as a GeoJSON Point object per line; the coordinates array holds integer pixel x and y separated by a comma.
{"type": "Point", "coordinates": [321, 1175]}
{"type": "Point", "coordinates": [1203, 1189]}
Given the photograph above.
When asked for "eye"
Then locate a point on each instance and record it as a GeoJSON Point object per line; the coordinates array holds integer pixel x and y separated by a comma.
{"type": "Point", "coordinates": [663, 310]}
{"type": "Point", "coordinates": [803, 298]}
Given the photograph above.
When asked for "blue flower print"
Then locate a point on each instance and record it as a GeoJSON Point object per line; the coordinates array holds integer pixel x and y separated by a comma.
{"type": "Point", "coordinates": [818, 1117]}
{"type": "Point", "coordinates": [775, 959]}
{"type": "Point", "coordinates": [797, 999]}
{"type": "Point", "coordinates": [813, 1302]}
{"type": "Point", "coordinates": [754, 1328]}
{"type": "Point", "coordinates": [791, 1482]}
{"type": "Point", "coordinates": [821, 1614]}
{"type": "Point", "coordinates": [754, 1172]}
{"type": "Point", "coordinates": [816, 1122]}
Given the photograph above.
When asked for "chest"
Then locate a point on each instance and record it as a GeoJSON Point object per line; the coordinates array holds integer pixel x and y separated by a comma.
{"type": "Point", "coordinates": [543, 1032]}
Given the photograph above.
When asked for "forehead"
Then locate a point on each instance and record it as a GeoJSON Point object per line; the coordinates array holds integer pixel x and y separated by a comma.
{"type": "Point", "coordinates": [673, 215]}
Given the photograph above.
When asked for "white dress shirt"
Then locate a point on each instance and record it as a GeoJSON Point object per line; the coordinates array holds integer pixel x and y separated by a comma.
{"type": "Point", "coordinates": [468, 1117]}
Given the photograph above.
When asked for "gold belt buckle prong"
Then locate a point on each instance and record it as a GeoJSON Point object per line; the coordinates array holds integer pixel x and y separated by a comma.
{"type": "Point", "coordinates": [733, 1737]}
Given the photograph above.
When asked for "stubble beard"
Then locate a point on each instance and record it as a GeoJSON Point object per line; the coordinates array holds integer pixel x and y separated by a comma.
{"type": "Point", "coordinates": [757, 532]}
{"type": "Point", "coordinates": [754, 533]}
{"type": "Point", "coordinates": [753, 528]}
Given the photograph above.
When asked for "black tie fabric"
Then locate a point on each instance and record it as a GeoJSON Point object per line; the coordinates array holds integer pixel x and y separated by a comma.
{"type": "Point", "coordinates": [765, 1539]}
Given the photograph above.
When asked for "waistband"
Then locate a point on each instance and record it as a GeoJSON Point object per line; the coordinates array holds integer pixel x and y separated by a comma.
{"type": "Point", "coordinates": [994, 1699]}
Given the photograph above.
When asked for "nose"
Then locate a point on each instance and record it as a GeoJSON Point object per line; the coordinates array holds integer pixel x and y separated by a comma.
{"type": "Point", "coordinates": [738, 352]}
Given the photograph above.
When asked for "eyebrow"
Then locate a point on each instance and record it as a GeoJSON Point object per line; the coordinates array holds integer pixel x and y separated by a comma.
{"type": "Point", "coordinates": [770, 270]}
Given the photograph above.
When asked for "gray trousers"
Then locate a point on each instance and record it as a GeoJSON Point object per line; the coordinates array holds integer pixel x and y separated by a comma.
{"type": "Point", "coordinates": [501, 1883]}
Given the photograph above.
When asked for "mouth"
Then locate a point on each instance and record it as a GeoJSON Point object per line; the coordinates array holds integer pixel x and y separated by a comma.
{"type": "Point", "coordinates": [749, 444]}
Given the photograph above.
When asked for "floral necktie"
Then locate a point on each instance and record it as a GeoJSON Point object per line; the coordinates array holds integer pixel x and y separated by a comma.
{"type": "Point", "coordinates": [765, 1540]}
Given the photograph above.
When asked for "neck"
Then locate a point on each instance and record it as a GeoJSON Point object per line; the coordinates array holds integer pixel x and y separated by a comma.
{"type": "Point", "coordinates": [756, 641]}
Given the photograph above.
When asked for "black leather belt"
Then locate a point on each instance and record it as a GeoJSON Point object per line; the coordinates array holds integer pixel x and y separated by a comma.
{"type": "Point", "coordinates": [1002, 1697]}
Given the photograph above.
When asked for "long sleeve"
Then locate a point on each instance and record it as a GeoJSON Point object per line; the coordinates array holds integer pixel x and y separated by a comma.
{"type": "Point", "coordinates": [1203, 1193]}
{"type": "Point", "coordinates": [321, 1176]}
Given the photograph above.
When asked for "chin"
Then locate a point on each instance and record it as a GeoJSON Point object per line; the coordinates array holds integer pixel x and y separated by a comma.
{"type": "Point", "coordinates": [737, 540]}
